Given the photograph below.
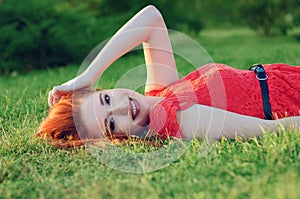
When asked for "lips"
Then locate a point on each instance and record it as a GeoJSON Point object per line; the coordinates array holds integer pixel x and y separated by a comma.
{"type": "Point", "coordinates": [134, 108]}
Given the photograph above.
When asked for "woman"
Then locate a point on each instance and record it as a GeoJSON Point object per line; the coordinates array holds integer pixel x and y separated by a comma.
{"type": "Point", "coordinates": [213, 101]}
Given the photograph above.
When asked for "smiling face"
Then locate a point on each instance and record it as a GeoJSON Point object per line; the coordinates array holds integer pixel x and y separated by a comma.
{"type": "Point", "coordinates": [116, 111]}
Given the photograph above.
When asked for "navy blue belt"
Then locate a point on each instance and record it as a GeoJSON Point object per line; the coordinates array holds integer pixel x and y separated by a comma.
{"type": "Point", "coordinates": [262, 77]}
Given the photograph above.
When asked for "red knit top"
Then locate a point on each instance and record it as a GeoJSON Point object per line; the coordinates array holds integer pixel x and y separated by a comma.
{"type": "Point", "coordinates": [227, 88]}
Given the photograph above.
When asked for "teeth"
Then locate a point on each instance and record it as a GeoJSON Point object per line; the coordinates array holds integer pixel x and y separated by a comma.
{"type": "Point", "coordinates": [133, 108]}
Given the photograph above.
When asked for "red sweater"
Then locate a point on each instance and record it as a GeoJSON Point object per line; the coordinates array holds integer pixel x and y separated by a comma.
{"type": "Point", "coordinates": [227, 88]}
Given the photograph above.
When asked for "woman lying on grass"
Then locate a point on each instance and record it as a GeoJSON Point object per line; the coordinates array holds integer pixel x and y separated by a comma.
{"type": "Point", "coordinates": [212, 101]}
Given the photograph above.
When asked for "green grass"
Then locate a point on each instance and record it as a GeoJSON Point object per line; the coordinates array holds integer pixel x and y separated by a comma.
{"type": "Point", "coordinates": [266, 167]}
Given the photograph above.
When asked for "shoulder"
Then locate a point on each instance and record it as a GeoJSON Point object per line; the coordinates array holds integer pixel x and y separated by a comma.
{"type": "Point", "coordinates": [215, 67]}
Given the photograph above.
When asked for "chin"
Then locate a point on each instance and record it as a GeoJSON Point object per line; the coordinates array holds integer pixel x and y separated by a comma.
{"type": "Point", "coordinates": [140, 132]}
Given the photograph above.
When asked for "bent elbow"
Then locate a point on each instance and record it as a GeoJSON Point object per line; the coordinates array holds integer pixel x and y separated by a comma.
{"type": "Point", "coordinates": [153, 11]}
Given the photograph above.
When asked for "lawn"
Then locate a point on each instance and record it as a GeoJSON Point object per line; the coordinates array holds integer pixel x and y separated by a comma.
{"type": "Point", "coordinates": [266, 167]}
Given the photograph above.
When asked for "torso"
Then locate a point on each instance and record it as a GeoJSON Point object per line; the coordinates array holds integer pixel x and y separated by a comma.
{"type": "Point", "coordinates": [226, 88]}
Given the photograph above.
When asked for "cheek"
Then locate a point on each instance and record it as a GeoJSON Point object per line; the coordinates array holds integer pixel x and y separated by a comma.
{"type": "Point", "coordinates": [128, 127]}
{"type": "Point", "coordinates": [137, 130]}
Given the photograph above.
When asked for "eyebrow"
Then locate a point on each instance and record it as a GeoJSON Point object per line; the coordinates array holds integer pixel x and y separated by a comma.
{"type": "Point", "coordinates": [101, 100]}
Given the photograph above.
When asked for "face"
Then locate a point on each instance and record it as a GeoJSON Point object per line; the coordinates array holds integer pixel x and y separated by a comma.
{"type": "Point", "coordinates": [115, 111]}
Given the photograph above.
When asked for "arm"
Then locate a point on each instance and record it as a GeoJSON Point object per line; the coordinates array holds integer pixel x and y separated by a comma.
{"type": "Point", "coordinates": [203, 121]}
{"type": "Point", "coordinates": [145, 27]}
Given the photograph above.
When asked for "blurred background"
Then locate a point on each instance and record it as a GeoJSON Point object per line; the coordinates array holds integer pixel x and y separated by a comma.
{"type": "Point", "coordinates": [38, 34]}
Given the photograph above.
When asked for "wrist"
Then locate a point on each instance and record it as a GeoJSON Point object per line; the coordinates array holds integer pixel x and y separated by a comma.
{"type": "Point", "coordinates": [84, 80]}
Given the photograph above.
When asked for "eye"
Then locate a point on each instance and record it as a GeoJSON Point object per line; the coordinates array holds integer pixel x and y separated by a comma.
{"type": "Point", "coordinates": [112, 124]}
{"type": "Point", "coordinates": [107, 99]}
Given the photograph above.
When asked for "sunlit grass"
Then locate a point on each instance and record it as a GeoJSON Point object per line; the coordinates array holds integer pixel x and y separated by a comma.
{"type": "Point", "coordinates": [266, 167]}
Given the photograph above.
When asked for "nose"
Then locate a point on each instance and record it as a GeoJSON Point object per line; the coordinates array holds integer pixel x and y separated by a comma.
{"type": "Point", "coordinates": [121, 108]}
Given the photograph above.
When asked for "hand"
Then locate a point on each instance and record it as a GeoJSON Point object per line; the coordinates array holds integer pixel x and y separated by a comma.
{"type": "Point", "coordinates": [57, 93]}
{"type": "Point", "coordinates": [76, 84]}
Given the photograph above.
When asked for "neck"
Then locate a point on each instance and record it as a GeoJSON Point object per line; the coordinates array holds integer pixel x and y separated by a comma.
{"type": "Point", "coordinates": [153, 101]}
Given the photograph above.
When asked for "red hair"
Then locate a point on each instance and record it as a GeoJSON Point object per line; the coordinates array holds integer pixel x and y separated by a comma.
{"type": "Point", "coordinates": [59, 127]}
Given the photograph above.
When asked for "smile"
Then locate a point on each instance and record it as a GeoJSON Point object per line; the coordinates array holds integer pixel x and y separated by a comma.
{"type": "Point", "coordinates": [134, 108]}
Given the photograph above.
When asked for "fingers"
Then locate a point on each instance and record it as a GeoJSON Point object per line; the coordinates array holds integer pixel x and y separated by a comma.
{"type": "Point", "coordinates": [56, 92]}
{"type": "Point", "coordinates": [54, 96]}
{"type": "Point", "coordinates": [50, 99]}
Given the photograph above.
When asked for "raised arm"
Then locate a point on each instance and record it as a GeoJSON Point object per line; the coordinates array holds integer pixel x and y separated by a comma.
{"type": "Point", "coordinates": [145, 27]}
{"type": "Point", "coordinates": [203, 121]}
